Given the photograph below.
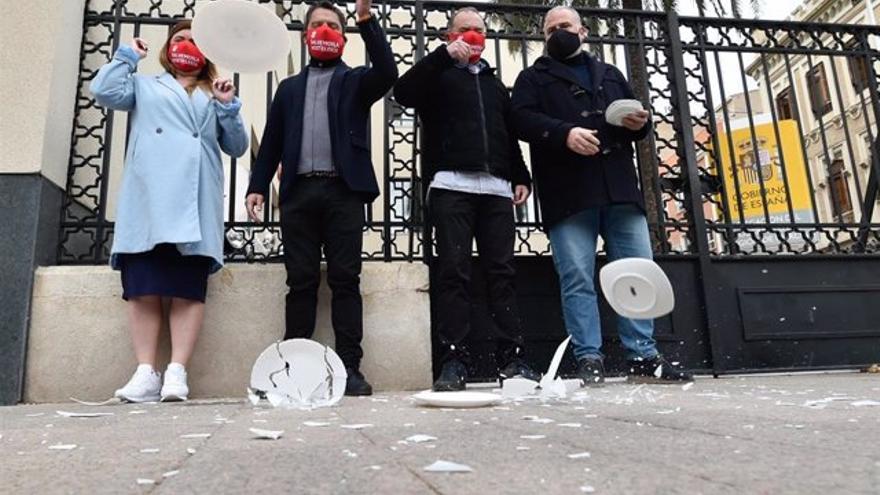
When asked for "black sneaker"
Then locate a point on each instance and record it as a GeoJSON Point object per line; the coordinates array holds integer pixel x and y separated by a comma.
{"type": "Point", "coordinates": [656, 370]}
{"type": "Point", "coordinates": [591, 371]}
{"type": "Point", "coordinates": [518, 369]}
{"type": "Point", "coordinates": [452, 378]}
{"type": "Point", "coordinates": [356, 384]}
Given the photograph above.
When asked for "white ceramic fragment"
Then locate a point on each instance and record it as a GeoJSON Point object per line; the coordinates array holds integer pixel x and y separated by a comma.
{"type": "Point", "coordinates": [442, 466]}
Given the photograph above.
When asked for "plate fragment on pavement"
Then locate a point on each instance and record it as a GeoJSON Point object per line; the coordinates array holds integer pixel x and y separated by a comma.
{"type": "Point", "coordinates": [267, 434]}
{"type": "Point", "coordinates": [442, 466]}
{"type": "Point", "coordinates": [420, 438]}
{"type": "Point", "coordinates": [358, 426]}
{"type": "Point", "coordinates": [149, 451]}
{"type": "Point", "coordinates": [68, 414]}
{"type": "Point", "coordinates": [112, 400]}
{"type": "Point", "coordinates": [687, 385]}
{"type": "Point", "coordinates": [579, 455]}
{"type": "Point", "coordinates": [171, 473]}
{"type": "Point", "coordinates": [196, 435]}
{"type": "Point", "coordinates": [532, 437]}
{"type": "Point", "coordinates": [61, 446]}
{"type": "Point", "coordinates": [863, 403]}
{"type": "Point", "coordinates": [315, 424]}
{"type": "Point", "coordinates": [518, 387]}
{"type": "Point", "coordinates": [145, 481]}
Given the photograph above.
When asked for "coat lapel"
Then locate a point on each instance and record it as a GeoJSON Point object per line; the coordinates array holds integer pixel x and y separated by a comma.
{"type": "Point", "coordinates": [169, 82]}
{"type": "Point", "coordinates": [200, 101]}
{"type": "Point", "coordinates": [556, 69]}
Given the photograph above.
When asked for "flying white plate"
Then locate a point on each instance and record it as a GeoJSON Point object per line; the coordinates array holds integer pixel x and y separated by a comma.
{"type": "Point", "coordinates": [637, 288]}
{"type": "Point", "coordinates": [464, 399]}
{"type": "Point", "coordinates": [301, 373]}
{"type": "Point", "coordinates": [241, 36]}
{"type": "Point", "coordinates": [618, 109]}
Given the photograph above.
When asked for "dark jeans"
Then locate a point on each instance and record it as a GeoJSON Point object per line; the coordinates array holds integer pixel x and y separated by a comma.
{"type": "Point", "coordinates": [323, 213]}
{"type": "Point", "coordinates": [458, 218]}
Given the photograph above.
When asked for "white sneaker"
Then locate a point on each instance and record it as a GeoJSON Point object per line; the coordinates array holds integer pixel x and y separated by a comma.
{"type": "Point", "coordinates": [143, 386]}
{"type": "Point", "coordinates": [175, 388]}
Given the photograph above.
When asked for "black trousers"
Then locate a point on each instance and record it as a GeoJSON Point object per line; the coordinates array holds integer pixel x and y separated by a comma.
{"type": "Point", "coordinates": [458, 218]}
{"type": "Point", "coordinates": [324, 213]}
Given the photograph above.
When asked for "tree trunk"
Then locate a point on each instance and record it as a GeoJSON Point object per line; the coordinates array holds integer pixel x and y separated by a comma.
{"type": "Point", "coordinates": [648, 159]}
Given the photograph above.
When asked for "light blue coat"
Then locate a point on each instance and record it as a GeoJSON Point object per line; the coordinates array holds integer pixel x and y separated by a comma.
{"type": "Point", "coordinates": [172, 183]}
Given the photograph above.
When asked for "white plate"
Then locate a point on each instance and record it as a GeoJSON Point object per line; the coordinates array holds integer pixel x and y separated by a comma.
{"type": "Point", "coordinates": [456, 399]}
{"type": "Point", "coordinates": [241, 36]}
{"type": "Point", "coordinates": [618, 109]}
{"type": "Point", "coordinates": [303, 372]}
{"type": "Point", "coordinates": [637, 288]}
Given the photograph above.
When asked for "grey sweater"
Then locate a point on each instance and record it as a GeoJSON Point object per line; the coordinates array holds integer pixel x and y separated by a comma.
{"type": "Point", "coordinates": [316, 154]}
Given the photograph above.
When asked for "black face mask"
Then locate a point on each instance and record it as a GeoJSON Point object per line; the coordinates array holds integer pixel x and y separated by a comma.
{"type": "Point", "coordinates": [563, 44]}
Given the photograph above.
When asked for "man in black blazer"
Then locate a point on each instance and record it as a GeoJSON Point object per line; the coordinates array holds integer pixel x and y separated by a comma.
{"type": "Point", "coordinates": [317, 129]}
{"type": "Point", "coordinates": [587, 185]}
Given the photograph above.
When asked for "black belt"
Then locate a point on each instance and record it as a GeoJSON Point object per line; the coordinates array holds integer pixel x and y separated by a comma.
{"type": "Point", "coordinates": [323, 174]}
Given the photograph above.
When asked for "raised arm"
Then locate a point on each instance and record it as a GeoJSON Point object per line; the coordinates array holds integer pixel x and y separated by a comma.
{"type": "Point", "coordinates": [417, 86]}
{"type": "Point", "coordinates": [381, 75]}
{"type": "Point", "coordinates": [113, 86]}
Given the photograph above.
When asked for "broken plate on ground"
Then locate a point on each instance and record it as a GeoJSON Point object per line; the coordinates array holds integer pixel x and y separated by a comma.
{"type": "Point", "coordinates": [465, 399]}
{"type": "Point", "coordinates": [299, 373]}
{"type": "Point", "coordinates": [637, 288]}
{"type": "Point", "coordinates": [518, 387]}
{"type": "Point", "coordinates": [618, 109]}
{"type": "Point", "coordinates": [241, 36]}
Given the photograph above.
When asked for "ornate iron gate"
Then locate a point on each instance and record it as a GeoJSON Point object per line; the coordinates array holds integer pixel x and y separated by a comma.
{"type": "Point", "coordinates": [760, 178]}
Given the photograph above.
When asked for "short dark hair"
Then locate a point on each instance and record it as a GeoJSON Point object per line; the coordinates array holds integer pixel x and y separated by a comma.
{"type": "Point", "coordinates": [325, 4]}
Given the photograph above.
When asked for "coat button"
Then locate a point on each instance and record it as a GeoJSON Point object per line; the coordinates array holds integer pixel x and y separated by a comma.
{"type": "Point", "coordinates": [158, 130]}
{"type": "Point", "coordinates": [585, 113]}
{"type": "Point", "coordinates": [601, 88]}
{"type": "Point", "coordinates": [195, 134]}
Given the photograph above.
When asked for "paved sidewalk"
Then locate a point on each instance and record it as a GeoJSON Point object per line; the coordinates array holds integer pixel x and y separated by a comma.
{"type": "Point", "coordinates": [781, 434]}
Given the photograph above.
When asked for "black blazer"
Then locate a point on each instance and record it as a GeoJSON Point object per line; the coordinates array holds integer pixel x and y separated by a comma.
{"type": "Point", "coordinates": [548, 101]}
{"type": "Point", "coordinates": [351, 94]}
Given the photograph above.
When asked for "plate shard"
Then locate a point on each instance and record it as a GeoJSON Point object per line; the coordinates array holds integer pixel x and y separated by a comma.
{"type": "Point", "coordinates": [298, 374]}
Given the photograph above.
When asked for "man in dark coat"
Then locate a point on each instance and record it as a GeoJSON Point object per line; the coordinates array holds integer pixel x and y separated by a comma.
{"type": "Point", "coordinates": [476, 174]}
{"type": "Point", "coordinates": [317, 130]}
{"type": "Point", "coordinates": [587, 185]}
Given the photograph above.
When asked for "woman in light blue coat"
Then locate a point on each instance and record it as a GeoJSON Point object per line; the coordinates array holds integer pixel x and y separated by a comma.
{"type": "Point", "coordinates": [169, 224]}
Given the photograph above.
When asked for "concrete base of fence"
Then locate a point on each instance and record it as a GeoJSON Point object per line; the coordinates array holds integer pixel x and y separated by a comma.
{"type": "Point", "coordinates": [79, 343]}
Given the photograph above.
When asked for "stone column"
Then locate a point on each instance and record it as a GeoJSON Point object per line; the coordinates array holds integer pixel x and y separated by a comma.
{"type": "Point", "coordinates": [39, 56]}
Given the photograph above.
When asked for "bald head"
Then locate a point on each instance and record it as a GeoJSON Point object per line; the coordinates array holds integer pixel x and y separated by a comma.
{"type": "Point", "coordinates": [563, 17]}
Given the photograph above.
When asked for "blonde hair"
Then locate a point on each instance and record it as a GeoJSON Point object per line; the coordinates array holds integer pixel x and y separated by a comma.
{"type": "Point", "coordinates": [208, 73]}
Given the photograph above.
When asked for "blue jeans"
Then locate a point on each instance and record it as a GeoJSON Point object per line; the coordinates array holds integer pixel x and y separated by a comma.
{"type": "Point", "coordinates": [625, 231]}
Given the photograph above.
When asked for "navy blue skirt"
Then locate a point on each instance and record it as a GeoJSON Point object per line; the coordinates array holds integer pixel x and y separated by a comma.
{"type": "Point", "coordinates": [163, 271]}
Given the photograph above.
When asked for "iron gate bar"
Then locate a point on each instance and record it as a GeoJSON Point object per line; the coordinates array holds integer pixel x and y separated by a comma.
{"type": "Point", "coordinates": [686, 152]}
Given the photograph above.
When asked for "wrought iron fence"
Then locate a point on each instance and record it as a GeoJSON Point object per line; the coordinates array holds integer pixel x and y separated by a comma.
{"type": "Point", "coordinates": [762, 141]}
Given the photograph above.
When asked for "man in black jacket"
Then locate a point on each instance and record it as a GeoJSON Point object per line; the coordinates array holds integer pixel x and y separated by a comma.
{"type": "Point", "coordinates": [587, 186]}
{"type": "Point", "coordinates": [476, 174]}
{"type": "Point", "coordinates": [317, 130]}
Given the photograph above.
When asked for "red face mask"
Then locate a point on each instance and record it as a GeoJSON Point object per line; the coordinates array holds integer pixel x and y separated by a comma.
{"type": "Point", "coordinates": [325, 43]}
{"type": "Point", "coordinates": [476, 40]}
{"type": "Point", "coordinates": [185, 56]}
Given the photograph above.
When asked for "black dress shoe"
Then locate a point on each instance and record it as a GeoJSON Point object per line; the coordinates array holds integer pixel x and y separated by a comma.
{"type": "Point", "coordinates": [656, 370]}
{"type": "Point", "coordinates": [356, 384]}
{"type": "Point", "coordinates": [591, 371]}
{"type": "Point", "coordinates": [453, 377]}
{"type": "Point", "coordinates": [518, 369]}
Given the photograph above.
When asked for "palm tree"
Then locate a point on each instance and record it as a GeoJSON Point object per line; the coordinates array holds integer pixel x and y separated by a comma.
{"type": "Point", "coordinates": [638, 71]}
